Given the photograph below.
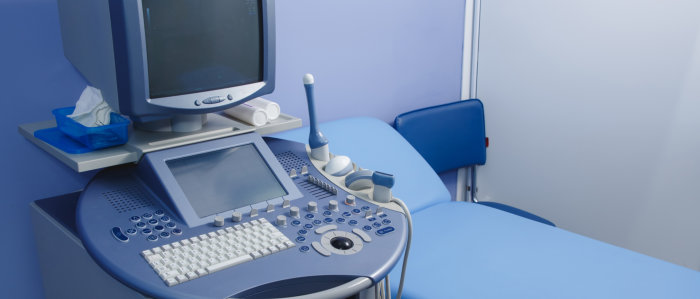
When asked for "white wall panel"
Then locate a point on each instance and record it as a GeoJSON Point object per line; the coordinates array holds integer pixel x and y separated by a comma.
{"type": "Point", "coordinates": [593, 114]}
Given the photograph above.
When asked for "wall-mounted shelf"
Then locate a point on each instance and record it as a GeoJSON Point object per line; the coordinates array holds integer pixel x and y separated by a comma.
{"type": "Point", "coordinates": [141, 142]}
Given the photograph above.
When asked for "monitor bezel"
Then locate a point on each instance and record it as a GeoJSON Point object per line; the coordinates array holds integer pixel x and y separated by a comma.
{"type": "Point", "coordinates": [131, 61]}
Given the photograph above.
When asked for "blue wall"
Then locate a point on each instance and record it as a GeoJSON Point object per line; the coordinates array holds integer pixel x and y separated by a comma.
{"type": "Point", "coordinates": [375, 58]}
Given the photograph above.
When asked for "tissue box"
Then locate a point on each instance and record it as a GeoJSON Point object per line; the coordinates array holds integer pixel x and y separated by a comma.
{"type": "Point", "coordinates": [116, 133]}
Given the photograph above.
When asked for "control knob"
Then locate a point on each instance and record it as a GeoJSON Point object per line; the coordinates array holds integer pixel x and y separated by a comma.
{"type": "Point", "coordinates": [294, 212]}
{"type": "Point", "coordinates": [281, 220]}
{"type": "Point", "coordinates": [350, 200]}
{"type": "Point", "coordinates": [333, 205]}
{"type": "Point", "coordinates": [312, 207]}
{"type": "Point", "coordinates": [236, 217]}
{"type": "Point", "coordinates": [218, 221]}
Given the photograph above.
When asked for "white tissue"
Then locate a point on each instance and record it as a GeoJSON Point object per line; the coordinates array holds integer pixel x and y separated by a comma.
{"type": "Point", "coordinates": [249, 114]}
{"type": "Point", "coordinates": [271, 108]}
{"type": "Point", "coordinates": [91, 110]}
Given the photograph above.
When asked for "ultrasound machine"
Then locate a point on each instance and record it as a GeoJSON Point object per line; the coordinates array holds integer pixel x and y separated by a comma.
{"type": "Point", "coordinates": [234, 215]}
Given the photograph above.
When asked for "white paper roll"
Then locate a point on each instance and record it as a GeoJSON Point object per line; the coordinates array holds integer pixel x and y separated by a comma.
{"type": "Point", "coordinates": [271, 108]}
{"type": "Point", "coordinates": [249, 114]}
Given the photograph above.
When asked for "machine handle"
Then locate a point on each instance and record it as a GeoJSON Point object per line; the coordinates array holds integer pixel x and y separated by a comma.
{"type": "Point", "coordinates": [342, 291]}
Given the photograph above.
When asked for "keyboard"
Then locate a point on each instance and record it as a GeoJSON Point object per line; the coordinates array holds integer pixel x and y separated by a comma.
{"type": "Point", "coordinates": [202, 255]}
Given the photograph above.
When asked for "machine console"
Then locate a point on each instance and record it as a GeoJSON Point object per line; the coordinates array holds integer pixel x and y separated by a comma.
{"type": "Point", "coordinates": [240, 216]}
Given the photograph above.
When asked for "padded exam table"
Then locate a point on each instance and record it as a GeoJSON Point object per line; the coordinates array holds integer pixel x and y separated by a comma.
{"type": "Point", "coordinates": [465, 250]}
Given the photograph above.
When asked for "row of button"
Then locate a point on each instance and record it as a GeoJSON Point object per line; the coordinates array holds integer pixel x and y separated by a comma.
{"type": "Point", "coordinates": [147, 216]}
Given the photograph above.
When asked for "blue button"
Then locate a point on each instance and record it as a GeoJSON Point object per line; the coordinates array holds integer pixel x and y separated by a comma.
{"type": "Point", "coordinates": [296, 222]}
{"type": "Point", "coordinates": [165, 235]}
{"type": "Point", "coordinates": [301, 239]}
{"type": "Point", "coordinates": [377, 224]}
{"type": "Point", "coordinates": [152, 238]}
{"type": "Point", "coordinates": [177, 231]}
{"type": "Point", "coordinates": [146, 231]}
{"type": "Point", "coordinates": [356, 211]}
{"type": "Point", "coordinates": [340, 220]}
{"type": "Point", "coordinates": [384, 231]}
{"type": "Point", "coordinates": [159, 228]}
{"type": "Point", "coordinates": [170, 224]}
{"type": "Point", "coordinates": [347, 214]}
{"type": "Point", "coordinates": [352, 222]}
{"type": "Point", "coordinates": [303, 232]}
{"type": "Point", "coordinates": [140, 225]}
{"type": "Point", "coordinates": [386, 221]}
{"type": "Point", "coordinates": [147, 216]}
{"type": "Point", "coordinates": [383, 215]}
{"type": "Point", "coordinates": [304, 248]}
{"type": "Point", "coordinates": [165, 219]}
{"type": "Point", "coordinates": [152, 222]}
{"type": "Point", "coordinates": [318, 222]}
{"type": "Point", "coordinates": [328, 220]}
{"type": "Point", "coordinates": [367, 227]}
{"type": "Point", "coordinates": [159, 212]}
{"type": "Point", "coordinates": [365, 208]}
{"type": "Point", "coordinates": [117, 234]}
{"type": "Point", "coordinates": [135, 218]}
{"type": "Point", "coordinates": [131, 231]}
{"type": "Point", "coordinates": [327, 213]}
{"type": "Point", "coordinates": [308, 226]}
{"type": "Point", "coordinates": [309, 216]}
{"type": "Point", "coordinates": [370, 219]}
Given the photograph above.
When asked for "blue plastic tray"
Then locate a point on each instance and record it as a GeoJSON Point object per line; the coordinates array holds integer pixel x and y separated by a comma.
{"type": "Point", "coordinates": [92, 138]}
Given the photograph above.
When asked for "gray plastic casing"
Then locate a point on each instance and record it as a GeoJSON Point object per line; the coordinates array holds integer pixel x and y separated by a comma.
{"type": "Point", "coordinates": [154, 170]}
{"type": "Point", "coordinates": [105, 41]}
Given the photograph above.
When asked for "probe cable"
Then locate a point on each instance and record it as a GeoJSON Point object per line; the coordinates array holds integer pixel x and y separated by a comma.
{"type": "Point", "coordinates": [408, 247]}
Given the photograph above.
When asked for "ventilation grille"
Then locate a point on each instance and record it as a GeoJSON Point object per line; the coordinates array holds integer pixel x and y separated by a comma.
{"type": "Point", "coordinates": [128, 199]}
{"type": "Point", "coordinates": [316, 191]}
{"type": "Point", "coordinates": [290, 161]}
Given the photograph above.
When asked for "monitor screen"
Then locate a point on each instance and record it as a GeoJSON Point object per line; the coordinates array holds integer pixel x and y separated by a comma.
{"type": "Point", "coordinates": [226, 179]}
{"type": "Point", "coordinates": [200, 45]}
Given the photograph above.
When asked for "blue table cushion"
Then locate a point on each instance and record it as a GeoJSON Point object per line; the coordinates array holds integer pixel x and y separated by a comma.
{"type": "Point", "coordinates": [466, 250]}
{"type": "Point", "coordinates": [373, 144]}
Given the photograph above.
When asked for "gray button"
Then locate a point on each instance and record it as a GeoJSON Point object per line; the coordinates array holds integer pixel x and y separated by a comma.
{"type": "Point", "coordinates": [365, 237]}
{"type": "Point", "coordinates": [326, 228]}
{"type": "Point", "coordinates": [294, 212]}
{"type": "Point", "coordinates": [236, 217]}
{"type": "Point", "coordinates": [312, 207]}
{"type": "Point", "coordinates": [319, 248]}
{"type": "Point", "coordinates": [281, 220]}
{"type": "Point", "coordinates": [218, 221]}
{"type": "Point", "coordinates": [333, 205]}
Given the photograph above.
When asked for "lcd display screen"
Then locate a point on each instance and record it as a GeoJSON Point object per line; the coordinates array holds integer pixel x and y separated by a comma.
{"type": "Point", "coordinates": [199, 45]}
{"type": "Point", "coordinates": [226, 179]}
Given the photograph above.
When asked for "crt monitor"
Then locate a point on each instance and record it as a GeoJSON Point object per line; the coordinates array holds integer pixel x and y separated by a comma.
{"type": "Point", "coordinates": [163, 60]}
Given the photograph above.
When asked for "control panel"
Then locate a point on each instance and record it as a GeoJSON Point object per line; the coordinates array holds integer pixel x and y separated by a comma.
{"type": "Point", "coordinates": [136, 231]}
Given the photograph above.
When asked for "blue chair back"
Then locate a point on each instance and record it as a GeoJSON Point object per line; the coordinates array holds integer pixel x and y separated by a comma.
{"type": "Point", "coordinates": [452, 136]}
{"type": "Point", "coordinates": [448, 136]}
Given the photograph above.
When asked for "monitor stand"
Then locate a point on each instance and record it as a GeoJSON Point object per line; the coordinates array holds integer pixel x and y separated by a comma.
{"type": "Point", "coordinates": [182, 123]}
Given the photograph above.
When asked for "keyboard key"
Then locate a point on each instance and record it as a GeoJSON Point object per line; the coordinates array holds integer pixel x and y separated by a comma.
{"type": "Point", "coordinates": [229, 263]}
